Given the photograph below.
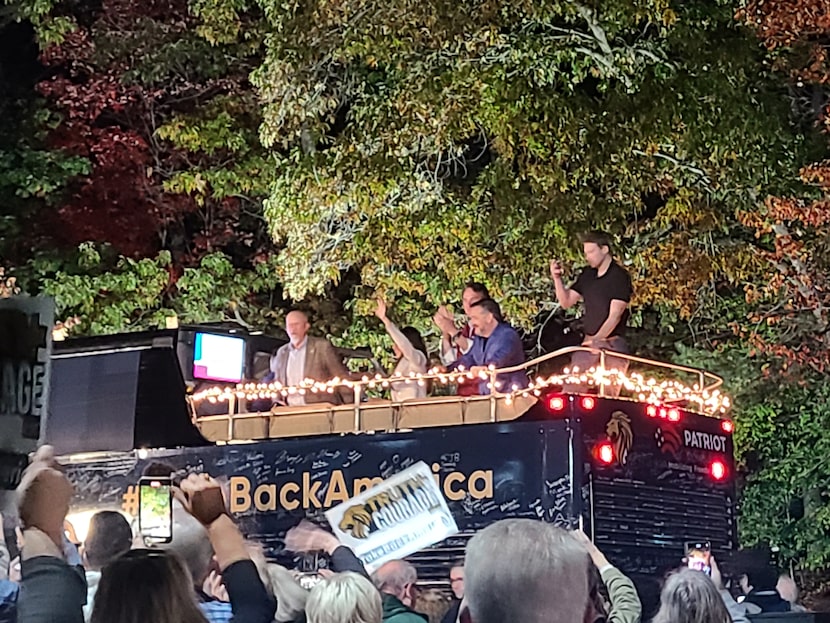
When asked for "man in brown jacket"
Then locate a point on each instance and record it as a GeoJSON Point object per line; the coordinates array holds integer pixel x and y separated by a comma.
{"type": "Point", "coordinates": [307, 357]}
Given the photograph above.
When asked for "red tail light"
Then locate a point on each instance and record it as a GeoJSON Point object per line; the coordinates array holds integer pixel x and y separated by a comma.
{"type": "Point", "coordinates": [674, 415]}
{"type": "Point", "coordinates": [604, 452]}
{"type": "Point", "coordinates": [651, 411]}
{"type": "Point", "coordinates": [556, 403]}
{"type": "Point", "coordinates": [588, 403]}
{"type": "Point", "coordinates": [727, 426]}
{"type": "Point", "coordinates": [718, 470]}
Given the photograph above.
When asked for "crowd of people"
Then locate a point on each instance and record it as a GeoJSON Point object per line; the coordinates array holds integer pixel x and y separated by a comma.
{"type": "Point", "coordinates": [483, 340]}
{"type": "Point", "coordinates": [513, 570]}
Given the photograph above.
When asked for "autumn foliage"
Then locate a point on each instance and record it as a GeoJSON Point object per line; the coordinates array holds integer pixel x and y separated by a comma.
{"type": "Point", "coordinates": [791, 317]}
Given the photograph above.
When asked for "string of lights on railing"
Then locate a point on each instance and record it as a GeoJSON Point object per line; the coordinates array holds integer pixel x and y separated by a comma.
{"type": "Point", "coordinates": [634, 385]}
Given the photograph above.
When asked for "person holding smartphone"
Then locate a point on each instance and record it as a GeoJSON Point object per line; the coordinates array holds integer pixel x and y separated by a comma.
{"type": "Point", "coordinates": [201, 496]}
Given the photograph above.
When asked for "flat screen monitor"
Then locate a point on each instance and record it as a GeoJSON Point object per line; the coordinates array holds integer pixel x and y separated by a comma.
{"type": "Point", "coordinates": [218, 357]}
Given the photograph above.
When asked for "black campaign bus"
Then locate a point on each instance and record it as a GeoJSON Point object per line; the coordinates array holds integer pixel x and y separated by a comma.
{"type": "Point", "coordinates": [642, 478]}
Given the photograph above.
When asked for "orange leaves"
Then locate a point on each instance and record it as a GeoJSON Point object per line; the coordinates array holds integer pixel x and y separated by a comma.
{"type": "Point", "coordinates": [782, 23]}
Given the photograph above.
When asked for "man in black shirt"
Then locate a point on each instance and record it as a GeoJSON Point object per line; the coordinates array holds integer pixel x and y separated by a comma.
{"type": "Point", "coordinates": [605, 288]}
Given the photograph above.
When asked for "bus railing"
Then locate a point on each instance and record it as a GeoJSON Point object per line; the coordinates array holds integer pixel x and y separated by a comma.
{"type": "Point", "coordinates": [607, 378]}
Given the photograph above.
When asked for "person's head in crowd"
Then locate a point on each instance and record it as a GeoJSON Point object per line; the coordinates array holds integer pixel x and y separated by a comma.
{"type": "Point", "coordinates": [432, 603]}
{"type": "Point", "coordinates": [457, 579]}
{"type": "Point", "coordinates": [787, 588]}
{"type": "Point", "coordinates": [473, 293]}
{"type": "Point", "coordinates": [485, 316]}
{"type": "Point", "coordinates": [297, 326]}
{"type": "Point", "coordinates": [291, 597]}
{"type": "Point", "coordinates": [690, 596]}
{"type": "Point", "coordinates": [761, 577]}
{"type": "Point", "coordinates": [415, 338]}
{"type": "Point", "coordinates": [397, 578]}
{"type": "Point", "coordinates": [109, 536]}
{"type": "Point", "coordinates": [525, 570]}
{"type": "Point", "coordinates": [344, 598]}
{"type": "Point", "coordinates": [191, 544]}
{"type": "Point", "coordinates": [596, 245]}
{"type": "Point", "coordinates": [146, 585]}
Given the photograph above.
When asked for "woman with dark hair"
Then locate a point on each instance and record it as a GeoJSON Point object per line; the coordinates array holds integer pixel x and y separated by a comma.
{"type": "Point", "coordinates": [412, 356]}
{"type": "Point", "coordinates": [146, 585]}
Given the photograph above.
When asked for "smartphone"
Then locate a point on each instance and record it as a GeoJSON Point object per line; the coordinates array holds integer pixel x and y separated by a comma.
{"type": "Point", "coordinates": [698, 554]}
{"type": "Point", "coordinates": [155, 509]}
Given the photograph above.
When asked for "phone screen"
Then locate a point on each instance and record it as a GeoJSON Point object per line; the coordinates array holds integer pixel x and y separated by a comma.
{"type": "Point", "coordinates": [155, 509]}
{"type": "Point", "coordinates": [698, 556]}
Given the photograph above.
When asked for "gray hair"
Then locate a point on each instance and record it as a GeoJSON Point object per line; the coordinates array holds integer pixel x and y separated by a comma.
{"type": "Point", "coordinates": [393, 576]}
{"type": "Point", "coordinates": [525, 570]}
{"type": "Point", "coordinates": [191, 544]}
{"type": "Point", "coordinates": [690, 596]}
{"type": "Point", "coordinates": [344, 598]}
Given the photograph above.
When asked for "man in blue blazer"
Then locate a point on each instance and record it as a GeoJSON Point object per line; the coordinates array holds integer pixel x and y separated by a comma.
{"type": "Point", "coordinates": [495, 344]}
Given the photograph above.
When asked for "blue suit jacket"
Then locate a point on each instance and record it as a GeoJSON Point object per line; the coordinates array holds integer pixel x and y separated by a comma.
{"type": "Point", "coordinates": [502, 349]}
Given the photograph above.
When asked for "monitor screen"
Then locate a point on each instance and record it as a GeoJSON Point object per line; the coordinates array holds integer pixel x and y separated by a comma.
{"type": "Point", "coordinates": [218, 357]}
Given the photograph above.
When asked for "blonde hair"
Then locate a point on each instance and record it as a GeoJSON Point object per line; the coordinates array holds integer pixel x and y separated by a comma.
{"type": "Point", "coordinates": [690, 596]}
{"type": "Point", "coordinates": [344, 598]}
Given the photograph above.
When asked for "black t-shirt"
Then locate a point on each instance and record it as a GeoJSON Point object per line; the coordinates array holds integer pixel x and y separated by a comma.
{"type": "Point", "coordinates": [597, 294]}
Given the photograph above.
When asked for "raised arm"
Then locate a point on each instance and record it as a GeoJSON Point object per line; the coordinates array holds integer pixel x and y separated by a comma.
{"type": "Point", "coordinates": [410, 353]}
{"type": "Point", "coordinates": [202, 497]}
{"type": "Point", "coordinates": [567, 297]}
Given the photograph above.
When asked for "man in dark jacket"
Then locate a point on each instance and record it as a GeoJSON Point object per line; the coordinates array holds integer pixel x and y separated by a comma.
{"type": "Point", "coordinates": [457, 587]}
{"type": "Point", "coordinates": [762, 596]}
{"type": "Point", "coordinates": [396, 582]}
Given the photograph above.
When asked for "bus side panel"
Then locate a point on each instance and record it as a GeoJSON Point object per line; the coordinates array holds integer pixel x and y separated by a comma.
{"type": "Point", "coordinates": [486, 472]}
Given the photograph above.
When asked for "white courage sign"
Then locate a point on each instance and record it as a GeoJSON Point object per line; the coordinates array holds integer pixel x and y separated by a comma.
{"type": "Point", "coordinates": [395, 518]}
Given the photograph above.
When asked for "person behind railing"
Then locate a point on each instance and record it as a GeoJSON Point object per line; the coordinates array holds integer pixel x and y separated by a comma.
{"type": "Point", "coordinates": [307, 357]}
{"type": "Point", "coordinates": [412, 356]}
{"type": "Point", "coordinates": [457, 341]}
{"type": "Point", "coordinates": [495, 344]}
{"type": "Point", "coordinates": [605, 289]}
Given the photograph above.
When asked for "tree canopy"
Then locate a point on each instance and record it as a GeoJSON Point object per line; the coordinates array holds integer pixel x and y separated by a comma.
{"type": "Point", "coordinates": [227, 159]}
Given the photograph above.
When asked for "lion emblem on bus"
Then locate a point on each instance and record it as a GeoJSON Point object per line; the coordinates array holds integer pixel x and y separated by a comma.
{"type": "Point", "coordinates": [620, 434]}
{"type": "Point", "coordinates": [356, 520]}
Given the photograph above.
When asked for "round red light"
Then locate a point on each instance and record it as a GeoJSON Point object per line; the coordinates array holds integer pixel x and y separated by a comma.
{"type": "Point", "coordinates": [556, 403]}
{"type": "Point", "coordinates": [727, 425]}
{"type": "Point", "coordinates": [718, 470]}
{"type": "Point", "coordinates": [674, 415]}
{"type": "Point", "coordinates": [663, 413]}
{"type": "Point", "coordinates": [605, 453]}
{"type": "Point", "coordinates": [588, 403]}
{"type": "Point", "coordinates": [651, 411]}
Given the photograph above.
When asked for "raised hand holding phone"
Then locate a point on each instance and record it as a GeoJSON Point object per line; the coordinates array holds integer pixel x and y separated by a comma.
{"type": "Point", "coordinates": [155, 509]}
{"type": "Point", "coordinates": [698, 555]}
